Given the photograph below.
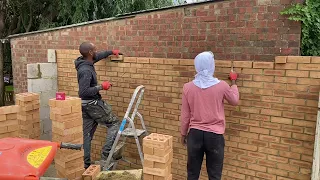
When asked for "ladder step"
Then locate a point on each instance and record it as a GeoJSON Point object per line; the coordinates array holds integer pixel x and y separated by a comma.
{"type": "Point", "coordinates": [129, 132]}
{"type": "Point", "coordinates": [117, 154]}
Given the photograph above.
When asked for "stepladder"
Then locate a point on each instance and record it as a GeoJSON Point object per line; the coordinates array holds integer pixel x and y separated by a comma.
{"type": "Point", "coordinates": [127, 130]}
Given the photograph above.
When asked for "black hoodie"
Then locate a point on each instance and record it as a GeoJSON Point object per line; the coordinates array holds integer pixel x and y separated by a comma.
{"type": "Point", "coordinates": [87, 76]}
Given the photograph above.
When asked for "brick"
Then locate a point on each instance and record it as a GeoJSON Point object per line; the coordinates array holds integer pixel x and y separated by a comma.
{"type": "Point", "coordinates": [221, 63]}
{"type": "Point", "coordinates": [294, 101]}
{"type": "Point", "coordinates": [257, 167]}
{"type": "Point", "coordinates": [242, 64]}
{"type": "Point", "coordinates": [274, 72]}
{"type": "Point", "coordinates": [283, 93]}
{"type": "Point", "coordinates": [263, 78]}
{"type": "Point", "coordinates": [142, 60]}
{"type": "Point", "coordinates": [281, 59]}
{"type": "Point", "coordinates": [299, 59]}
{"type": "Point", "coordinates": [296, 73]}
{"type": "Point", "coordinates": [91, 172]}
{"type": "Point", "coordinates": [289, 80]}
{"type": "Point", "coordinates": [252, 71]}
{"type": "Point", "coordinates": [152, 168]}
{"type": "Point", "coordinates": [160, 159]}
{"type": "Point", "coordinates": [61, 111]}
{"type": "Point", "coordinates": [277, 172]}
{"type": "Point", "coordinates": [263, 65]}
{"type": "Point", "coordinates": [156, 61]}
{"type": "Point", "coordinates": [292, 66]}
{"type": "Point", "coordinates": [294, 115]}
{"type": "Point", "coordinates": [314, 74]}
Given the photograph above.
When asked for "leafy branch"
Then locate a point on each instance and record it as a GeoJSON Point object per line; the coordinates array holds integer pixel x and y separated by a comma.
{"type": "Point", "coordinates": [309, 15]}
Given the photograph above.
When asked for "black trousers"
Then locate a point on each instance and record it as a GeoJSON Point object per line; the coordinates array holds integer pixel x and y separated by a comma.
{"type": "Point", "coordinates": [200, 142]}
{"type": "Point", "coordinates": [94, 114]}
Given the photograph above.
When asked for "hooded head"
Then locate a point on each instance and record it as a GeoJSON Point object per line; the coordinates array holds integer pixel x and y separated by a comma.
{"type": "Point", "coordinates": [205, 66]}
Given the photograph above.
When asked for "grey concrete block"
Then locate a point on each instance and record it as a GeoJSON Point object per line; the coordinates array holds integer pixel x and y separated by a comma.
{"type": "Point", "coordinates": [45, 96]}
{"type": "Point", "coordinates": [42, 85]}
{"type": "Point", "coordinates": [52, 56]}
{"type": "Point", "coordinates": [33, 71]}
{"type": "Point", "coordinates": [48, 70]}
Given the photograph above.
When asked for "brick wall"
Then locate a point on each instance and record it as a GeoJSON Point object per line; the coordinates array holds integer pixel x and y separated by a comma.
{"type": "Point", "coordinates": [269, 135]}
{"type": "Point", "coordinates": [233, 30]}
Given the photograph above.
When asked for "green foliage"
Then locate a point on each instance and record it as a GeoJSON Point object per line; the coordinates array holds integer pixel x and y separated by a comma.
{"type": "Point", "coordinates": [309, 15]}
{"type": "Point", "coordinates": [77, 11]}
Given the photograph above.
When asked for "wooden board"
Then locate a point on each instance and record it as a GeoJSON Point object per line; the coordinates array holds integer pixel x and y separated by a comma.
{"type": "Point", "coordinates": [136, 172]}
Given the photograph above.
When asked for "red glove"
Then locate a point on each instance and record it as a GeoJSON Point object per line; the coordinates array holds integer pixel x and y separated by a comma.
{"type": "Point", "coordinates": [116, 52]}
{"type": "Point", "coordinates": [106, 85]}
{"type": "Point", "coordinates": [233, 76]}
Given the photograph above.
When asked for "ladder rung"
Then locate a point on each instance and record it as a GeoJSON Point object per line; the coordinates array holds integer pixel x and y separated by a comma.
{"type": "Point", "coordinates": [129, 132]}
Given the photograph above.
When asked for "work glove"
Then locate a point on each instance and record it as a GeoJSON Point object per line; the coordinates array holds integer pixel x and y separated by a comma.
{"type": "Point", "coordinates": [233, 75]}
{"type": "Point", "coordinates": [116, 52]}
{"type": "Point", "coordinates": [106, 85]}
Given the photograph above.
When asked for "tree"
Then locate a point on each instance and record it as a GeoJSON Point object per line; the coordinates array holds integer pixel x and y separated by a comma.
{"type": "Point", "coordinates": [309, 15]}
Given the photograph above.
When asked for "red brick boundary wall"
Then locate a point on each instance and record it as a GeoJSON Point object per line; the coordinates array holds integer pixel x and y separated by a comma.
{"type": "Point", "coordinates": [270, 135]}
{"type": "Point", "coordinates": [233, 30]}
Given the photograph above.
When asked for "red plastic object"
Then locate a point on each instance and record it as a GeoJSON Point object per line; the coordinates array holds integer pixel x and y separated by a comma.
{"type": "Point", "coordinates": [60, 96]}
{"type": "Point", "coordinates": [25, 159]}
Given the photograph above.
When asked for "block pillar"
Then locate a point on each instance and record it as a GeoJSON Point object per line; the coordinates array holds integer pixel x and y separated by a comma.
{"type": "Point", "coordinates": [158, 155]}
{"type": "Point", "coordinates": [9, 125]}
{"type": "Point", "coordinates": [29, 115]}
{"type": "Point", "coordinates": [66, 119]}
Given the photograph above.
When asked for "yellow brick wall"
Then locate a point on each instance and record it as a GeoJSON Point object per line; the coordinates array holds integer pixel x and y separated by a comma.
{"type": "Point", "coordinates": [269, 135]}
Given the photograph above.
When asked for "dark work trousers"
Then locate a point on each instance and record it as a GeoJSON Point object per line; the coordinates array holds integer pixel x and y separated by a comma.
{"type": "Point", "coordinates": [94, 113]}
{"type": "Point", "coordinates": [200, 142]}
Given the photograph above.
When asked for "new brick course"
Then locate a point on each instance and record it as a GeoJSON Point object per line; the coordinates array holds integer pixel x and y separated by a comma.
{"type": "Point", "coordinates": [233, 30]}
{"type": "Point", "coordinates": [269, 135]}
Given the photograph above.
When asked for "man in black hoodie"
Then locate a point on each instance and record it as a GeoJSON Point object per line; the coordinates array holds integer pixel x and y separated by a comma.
{"type": "Point", "coordinates": [94, 110]}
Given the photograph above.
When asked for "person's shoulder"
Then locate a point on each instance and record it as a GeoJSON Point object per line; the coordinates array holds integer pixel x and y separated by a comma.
{"type": "Point", "coordinates": [223, 84]}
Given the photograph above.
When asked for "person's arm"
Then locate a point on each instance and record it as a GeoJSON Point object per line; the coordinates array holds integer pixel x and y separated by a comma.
{"type": "Point", "coordinates": [84, 85]}
{"type": "Point", "coordinates": [102, 55]}
{"type": "Point", "coordinates": [232, 94]}
{"type": "Point", "coordinates": [185, 115]}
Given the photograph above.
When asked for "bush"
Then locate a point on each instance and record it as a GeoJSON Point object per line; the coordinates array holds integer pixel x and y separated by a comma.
{"type": "Point", "coordinates": [309, 15]}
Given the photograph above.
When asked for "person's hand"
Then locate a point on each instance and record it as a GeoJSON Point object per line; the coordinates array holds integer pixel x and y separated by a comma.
{"type": "Point", "coordinates": [116, 52]}
{"type": "Point", "coordinates": [183, 140]}
{"type": "Point", "coordinates": [233, 76]}
{"type": "Point", "coordinates": [106, 85]}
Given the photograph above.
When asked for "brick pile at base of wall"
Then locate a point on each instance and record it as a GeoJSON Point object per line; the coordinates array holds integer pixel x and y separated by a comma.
{"type": "Point", "coordinates": [67, 127]}
{"type": "Point", "coordinates": [9, 124]}
{"type": "Point", "coordinates": [29, 115]}
{"type": "Point", "coordinates": [269, 135]}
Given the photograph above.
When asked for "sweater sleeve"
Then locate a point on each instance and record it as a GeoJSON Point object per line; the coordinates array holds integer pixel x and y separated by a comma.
{"type": "Point", "coordinates": [185, 114]}
{"type": "Point", "coordinates": [232, 95]}
{"type": "Point", "coordinates": [101, 55]}
{"type": "Point", "coordinates": [84, 84]}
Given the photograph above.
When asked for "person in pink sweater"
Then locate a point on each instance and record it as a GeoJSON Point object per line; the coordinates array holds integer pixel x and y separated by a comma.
{"type": "Point", "coordinates": [203, 118]}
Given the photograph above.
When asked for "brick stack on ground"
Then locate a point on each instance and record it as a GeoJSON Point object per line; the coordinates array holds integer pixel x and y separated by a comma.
{"type": "Point", "coordinates": [158, 156]}
{"type": "Point", "coordinates": [92, 172]}
{"type": "Point", "coordinates": [29, 115]}
{"type": "Point", "coordinates": [67, 127]}
{"type": "Point", "coordinates": [9, 125]}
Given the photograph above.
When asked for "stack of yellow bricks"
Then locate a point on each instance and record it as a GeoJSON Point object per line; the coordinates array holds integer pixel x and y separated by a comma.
{"type": "Point", "coordinates": [158, 155]}
{"type": "Point", "coordinates": [8, 121]}
{"type": "Point", "coordinates": [29, 115]}
{"type": "Point", "coordinates": [67, 127]}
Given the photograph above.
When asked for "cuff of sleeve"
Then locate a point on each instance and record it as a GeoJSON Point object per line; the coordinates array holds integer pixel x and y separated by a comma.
{"type": "Point", "coordinates": [99, 87]}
